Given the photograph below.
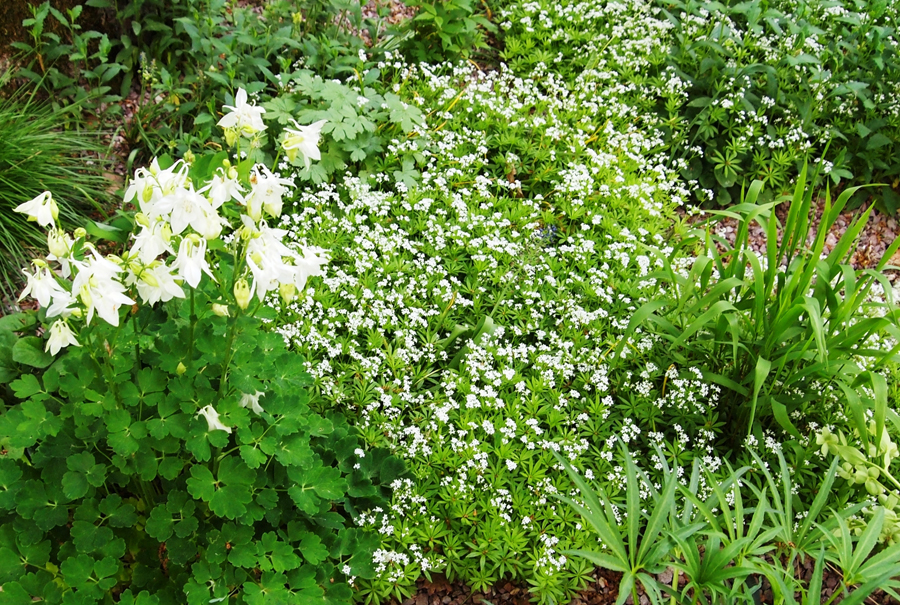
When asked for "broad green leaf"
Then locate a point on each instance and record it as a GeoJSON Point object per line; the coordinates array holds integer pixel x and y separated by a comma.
{"type": "Point", "coordinates": [29, 351]}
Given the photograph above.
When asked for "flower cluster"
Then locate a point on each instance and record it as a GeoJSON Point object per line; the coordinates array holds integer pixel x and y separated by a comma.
{"type": "Point", "coordinates": [180, 221]}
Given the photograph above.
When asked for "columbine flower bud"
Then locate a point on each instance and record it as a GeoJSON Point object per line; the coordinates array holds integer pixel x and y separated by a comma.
{"type": "Point", "coordinates": [220, 310]}
{"type": "Point", "coordinates": [141, 219]}
{"type": "Point", "coordinates": [242, 294]}
{"type": "Point", "coordinates": [180, 369]}
{"type": "Point", "coordinates": [232, 173]}
{"type": "Point", "coordinates": [248, 233]}
{"type": "Point", "coordinates": [54, 209]}
{"type": "Point", "coordinates": [148, 278]}
{"type": "Point", "coordinates": [57, 243]}
{"type": "Point", "coordinates": [80, 232]}
{"type": "Point", "coordinates": [287, 291]}
{"type": "Point", "coordinates": [189, 156]}
{"type": "Point", "coordinates": [86, 297]}
{"type": "Point", "coordinates": [874, 488]}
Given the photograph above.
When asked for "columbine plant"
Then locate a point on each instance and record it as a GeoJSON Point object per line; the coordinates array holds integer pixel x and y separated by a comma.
{"type": "Point", "coordinates": [168, 453]}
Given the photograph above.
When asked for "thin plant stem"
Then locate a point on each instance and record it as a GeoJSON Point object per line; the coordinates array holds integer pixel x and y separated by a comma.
{"type": "Point", "coordinates": [229, 353]}
{"type": "Point", "coordinates": [190, 355]}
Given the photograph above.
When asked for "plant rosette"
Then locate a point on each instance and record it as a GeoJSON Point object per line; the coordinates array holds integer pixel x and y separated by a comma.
{"type": "Point", "coordinates": [162, 450]}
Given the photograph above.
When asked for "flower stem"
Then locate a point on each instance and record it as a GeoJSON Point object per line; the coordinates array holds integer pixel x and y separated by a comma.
{"type": "Point", "coordinates": [229, 353]}
{"type": "Point", "coordinates": [190, 355]}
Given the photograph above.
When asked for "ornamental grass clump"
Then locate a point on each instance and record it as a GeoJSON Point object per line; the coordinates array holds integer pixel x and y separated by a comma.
{"type": "Point", "coordinates": [36, 154]}
{"type": "Point", "coordinates": [157, 442]}
{"type": "Point", "coordinates": [776, 331]}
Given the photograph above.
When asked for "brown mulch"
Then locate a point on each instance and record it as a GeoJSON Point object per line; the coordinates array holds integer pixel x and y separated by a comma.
{"type": "Point", "coordinates": [602, 590]}
{"type": "Point", "coordinates": [875, 239]}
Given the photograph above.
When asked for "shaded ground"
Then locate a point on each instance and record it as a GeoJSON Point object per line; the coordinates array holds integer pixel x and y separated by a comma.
{"type": "Point", "coordinates": [603, 590]}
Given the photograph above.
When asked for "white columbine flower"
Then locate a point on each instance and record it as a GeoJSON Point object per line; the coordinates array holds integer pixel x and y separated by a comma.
{"type": "Point", "coordinates": [152, 241]}
{"type": "Point", "coordinates": [42, 285]}
{"type": "Point", "coordinates": [59, 243]}
{"type": "Point", "coordinates": [60, 246]}
{"type": "Point", "coordinates": [266, 194]}
{"type": "Point", "coordinates": [155, 283]}
{"type": "Point", "coordinates": [244, 118]}
{"type": "Point", "coordinates": [266, 258]}
{"type": "Point", "coordinates": [223, 187]}
{"type": "Point", "coordinates": [308, 265]}
{"type": "Point", "coordinates": [191, 260]}
{"type": "Point", "coordinates": [64, 304]}
{"type": "Point", "coordinates": [151, 186]}
{"type": "Point", "coordinates": [212, 419]}
{"type": "Point", "coordinates": [303, 140]}
{"type": "Point", "coordinates": [61, 335]}
{"type": "Point", "coordinates": [252, 402]}
{"type": "Point", "coordinates": [187, 207]}
{"type": "Point", "coordinates": [41, 209]}
{"type": "Point", "coordinates": [98, 289]}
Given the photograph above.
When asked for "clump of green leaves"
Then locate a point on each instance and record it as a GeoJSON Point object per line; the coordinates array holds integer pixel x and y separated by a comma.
{"type": "Point", "coordinates": [446, 29]}
{"type": "Point", "coordinates": [769, 329]}
{"type": "Point", "coordinates": [170, 454]}
{"type": "Point", "coordinates": [829, 81]}
{"type": "Point", "coordinates": [360, 122]}
{"type": "Point", "coordinates": [75, 68]}
{"type": "Point", "coordinates": [112, 483]}
{"type": "Point", "coordinates": [721, 547]}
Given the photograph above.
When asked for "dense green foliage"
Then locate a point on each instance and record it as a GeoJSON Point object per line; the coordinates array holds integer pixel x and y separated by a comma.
{"type": "Point", "coordinates": [514, 290]}
{"type": "Point", "coordinates": [112, 484]}
{"type": "Point", "coordinates": [739, 91]}
{"type": "Point", "coordinates": [169, 454]}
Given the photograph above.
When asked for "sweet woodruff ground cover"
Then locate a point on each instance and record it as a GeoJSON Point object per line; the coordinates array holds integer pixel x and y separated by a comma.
{"type": "Point", "coordinates": [478, 322]}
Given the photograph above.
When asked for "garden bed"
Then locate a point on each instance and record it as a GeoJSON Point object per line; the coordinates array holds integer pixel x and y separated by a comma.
{"type": "Point", "coordinates": [389, 315]}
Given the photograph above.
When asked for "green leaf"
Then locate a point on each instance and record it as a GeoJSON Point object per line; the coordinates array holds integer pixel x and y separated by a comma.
{"type": "Point", "coordinates": [29, 351]}
{"type": "Point", "coordinates": [160, 525]}
{"type": "Point", "coordinates": [233, 471]}
{"type": "Point", "coordinates": [280, 554]}
{"type": "Point", "coordinates": [77, 571]}
{"type": "Point", "coordinates": [230, 502]}
{"type": "Point", "coordinates": [75, 485]}
{"type": "Point", "coordinates": [90, 538]}
{"type": "Point", "coordinates": [201, 483]}
{"type": "Point", "coordinates": [118, 513]}
{"type": "Point", "coordinates": [305, 499]}
{"type": "Point", "coordinates": [252, 456]}
{"type": "Point", "coordinates": [312, 548]}
{"type": "Point", "coordinates": [327, 482]}
{"type": "Point", "coordinates": [10, 476]}
{"type": "Point", "coordinates": [170, 468]}
{"type": "Point", "coordinates": [26, 386]}
{"type": "Point", "coordinates": [107, 232]}
{"type": "Point", "coordinates": [877, 141]}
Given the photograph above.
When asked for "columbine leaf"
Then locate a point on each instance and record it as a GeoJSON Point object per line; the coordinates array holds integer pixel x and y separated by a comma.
{"type": "Point", "coordinates": [201, 483]}
{"type": "Point", "coordinates": [26, 386]}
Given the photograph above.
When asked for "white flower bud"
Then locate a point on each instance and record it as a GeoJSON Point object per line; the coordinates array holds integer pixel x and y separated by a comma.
{"type": "Point", "coordinates": [242, 294]}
